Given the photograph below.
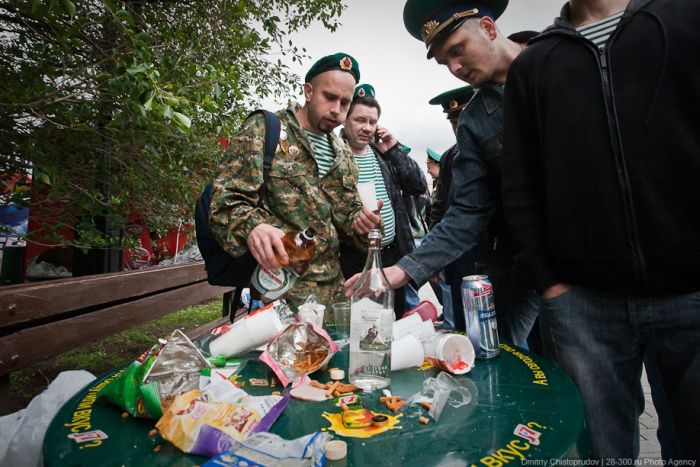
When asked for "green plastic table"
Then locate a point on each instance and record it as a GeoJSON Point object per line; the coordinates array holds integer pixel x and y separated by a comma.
{"type": "Point", "coordinates": [515, 390]}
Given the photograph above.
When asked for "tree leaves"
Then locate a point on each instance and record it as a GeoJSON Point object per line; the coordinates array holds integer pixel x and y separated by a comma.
{"type": "Point", "coordinates": [117, 106]}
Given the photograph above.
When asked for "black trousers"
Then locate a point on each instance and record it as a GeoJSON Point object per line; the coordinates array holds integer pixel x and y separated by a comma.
{"type": "Point", "coordinates": [352, 261]}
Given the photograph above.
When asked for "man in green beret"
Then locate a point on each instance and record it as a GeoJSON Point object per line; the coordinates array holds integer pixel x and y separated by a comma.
{"type": "Point", "coordinates": [382, 161]}
{"type": "Point", "coordinates": [311, 184]}
{"type": "Point", "coordinates": [463, 36]}
{"type": "Point", "coordinates": [433, 163]}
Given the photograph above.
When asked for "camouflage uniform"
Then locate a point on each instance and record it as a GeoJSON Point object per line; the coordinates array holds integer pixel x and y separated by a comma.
{"type": "Point", "coordinates": [295, 198]}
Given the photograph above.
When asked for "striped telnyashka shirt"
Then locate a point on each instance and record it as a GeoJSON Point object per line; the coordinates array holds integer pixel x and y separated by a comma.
{"type": "Point", "coordinates": [599, 31]}
{"type": "Point", "coordinates": [370, 171]}
{"type": "Point", "coordinates": [323, 153]}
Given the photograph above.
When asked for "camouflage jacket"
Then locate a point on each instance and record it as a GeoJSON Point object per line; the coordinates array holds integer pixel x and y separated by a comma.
{"type": "Point", "coordinates": [295, 197]}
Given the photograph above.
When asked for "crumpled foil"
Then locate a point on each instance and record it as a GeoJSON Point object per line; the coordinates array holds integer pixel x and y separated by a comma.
{"type": "Point", "coordinates": [177, 367]}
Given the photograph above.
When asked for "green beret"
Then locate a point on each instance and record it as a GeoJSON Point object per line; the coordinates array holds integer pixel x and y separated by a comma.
{"type": "Point", "coordinates": [339, 61]}
{"type": "Point", "coordinates": [434, 155]}
{"type": "Point", "coordinates": [364, 90]}
{"type": "Point", "coordinates": [432, 21]}
{"type": "Point", "coordinates": [453, 101]}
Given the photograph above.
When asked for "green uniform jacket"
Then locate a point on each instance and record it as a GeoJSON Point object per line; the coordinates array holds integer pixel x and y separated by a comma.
{"type": "Point", "coordinates": [295, 198]}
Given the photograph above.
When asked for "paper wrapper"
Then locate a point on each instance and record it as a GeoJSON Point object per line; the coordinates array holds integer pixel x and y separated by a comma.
{"type": "Point", "coordinates": [299, 350]}
{"type": "Point", "coordinates": [212, 421]}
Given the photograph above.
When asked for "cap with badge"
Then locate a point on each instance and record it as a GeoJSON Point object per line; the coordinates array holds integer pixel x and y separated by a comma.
{"type": "Point", "coordinates": [453, 101]}
{"type": "Point", "coordinates": [432, 21]}
{"type": "Point", "coordinates": [338, 61]}
{"type": "Point", "coordinates": [433, 155]}
{"type": "Point", "coordinates": [364, 90]}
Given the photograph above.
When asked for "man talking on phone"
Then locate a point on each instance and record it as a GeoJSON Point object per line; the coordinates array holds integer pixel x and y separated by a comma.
{"type": "Point", "coordinates": [384, 161]}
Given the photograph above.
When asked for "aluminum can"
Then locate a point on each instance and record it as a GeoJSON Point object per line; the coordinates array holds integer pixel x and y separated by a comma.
{"type": "Point", "coordinates": [480, 315]}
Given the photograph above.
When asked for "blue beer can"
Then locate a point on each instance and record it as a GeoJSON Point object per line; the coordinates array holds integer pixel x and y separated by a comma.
{"type": "Point", "coordinates": [480, 315]}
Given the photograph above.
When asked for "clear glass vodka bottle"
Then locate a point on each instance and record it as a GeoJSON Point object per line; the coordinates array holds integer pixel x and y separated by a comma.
{"type": "Point", "coordinates": [371, 323]}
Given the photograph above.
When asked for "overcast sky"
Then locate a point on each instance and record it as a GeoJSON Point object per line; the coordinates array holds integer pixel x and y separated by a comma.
{"type": "Point", "coordinates": [394, 63]}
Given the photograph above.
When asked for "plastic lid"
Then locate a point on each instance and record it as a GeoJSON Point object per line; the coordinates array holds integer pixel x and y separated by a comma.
{"type": "Point", "coordinates": [336, 450]}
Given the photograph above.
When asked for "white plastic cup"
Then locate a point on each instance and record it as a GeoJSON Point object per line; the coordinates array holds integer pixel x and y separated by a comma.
{"type": "Point", "coordinates": [453, 353]}
{"type": "Point", "coordinates": [406, 352]}
{"type": "Point", "coordinates": [341, 318]}
{"type": "Point", "coordinates": [425, 330]}
{"type": "Point", "coordinates": [235, 341]}
{"type": "Point", "coordinates": [404, 325]}
{"type": "Point", "coordinates": [263, 325]}
{"type": "Point", "coordinates": [430, 344]}
{"type": "Point", "coordinates": [368, 195]}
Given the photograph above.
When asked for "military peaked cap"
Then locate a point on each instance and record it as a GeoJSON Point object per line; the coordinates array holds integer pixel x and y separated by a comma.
{"type": "Point", "coordinates": [432, 21]}
{"type": "Point", "coordinates": [453, 101]}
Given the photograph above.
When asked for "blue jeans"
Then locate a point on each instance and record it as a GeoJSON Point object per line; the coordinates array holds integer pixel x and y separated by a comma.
{"type": "Point", "coordinates": [448, 316]}
{"type": "Point", "coordinates": [412, 297]}
{"type": "Point", "coordinates": [600, 339]}
{"type": "Point", "coordinates": [665, 432]}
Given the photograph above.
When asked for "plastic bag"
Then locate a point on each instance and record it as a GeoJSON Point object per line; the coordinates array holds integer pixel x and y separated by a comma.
{"type": "Point", "coordinates": [442, 390]}
{"type": "Point", "coordinates": [22, 433]}
{"type": "Point", "coordinates": [271, 450]}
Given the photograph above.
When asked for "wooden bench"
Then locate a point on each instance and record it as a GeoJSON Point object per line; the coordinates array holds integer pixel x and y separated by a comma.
{"type": "Point", "coordinates": [41, 320]}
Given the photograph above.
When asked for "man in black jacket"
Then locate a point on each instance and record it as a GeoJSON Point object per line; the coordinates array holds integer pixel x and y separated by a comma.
{"type": "Point", "coordinates": [600, 182]}
{"type": "Point", "coordinates": [463, 36]}
{"type": "Point", "coordinates": [382, 160]}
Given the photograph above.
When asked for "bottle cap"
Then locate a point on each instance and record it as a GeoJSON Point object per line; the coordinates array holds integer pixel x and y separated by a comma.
{"type": "Point", "coordinates": [336, 450]}
{"type": "Point", "coordinates": [380, 420]}
{"type": "Point", "coordinates": [337, 374]}
{"type": "Point", "coordinates": [309, 233]}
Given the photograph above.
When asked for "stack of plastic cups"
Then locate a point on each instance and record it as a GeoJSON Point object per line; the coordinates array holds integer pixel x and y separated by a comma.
{"type": "Point", "coordinates": [248, 333]}
{"type": "Point", "coordinates": [406, 352]}
{"type": "Point", "coordinates": [404, 325]}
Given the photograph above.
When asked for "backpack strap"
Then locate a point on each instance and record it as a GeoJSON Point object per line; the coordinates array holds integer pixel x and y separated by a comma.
{"type": "Point", "coordinates": [273, 128]}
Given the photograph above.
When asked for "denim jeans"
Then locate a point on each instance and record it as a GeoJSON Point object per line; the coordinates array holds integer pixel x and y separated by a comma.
{"type": "Point", "coordinates": [448, 316]}
{"type": "Point", "coordinates": [600, 339]}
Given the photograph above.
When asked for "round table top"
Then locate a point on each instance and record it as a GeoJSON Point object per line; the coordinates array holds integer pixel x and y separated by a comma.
{"type": "Point", "coordinates": [522, 408]}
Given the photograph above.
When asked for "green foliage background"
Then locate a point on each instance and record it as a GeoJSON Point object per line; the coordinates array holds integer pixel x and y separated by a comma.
{"type": "Point", "coordinates": [117, 106]}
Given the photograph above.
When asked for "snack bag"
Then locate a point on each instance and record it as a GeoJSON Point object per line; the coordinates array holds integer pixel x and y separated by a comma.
{"type": "Point", "coordinates": [212, 421]}
{"type": "Point", "coordinates": [151, 382]}
{"type": "Point", "coordinates": [300, 349]}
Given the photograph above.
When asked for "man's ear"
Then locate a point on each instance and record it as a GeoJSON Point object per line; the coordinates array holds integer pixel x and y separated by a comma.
{"type": "Point", "coordinates": [489, 26]}
{"type": "Point", "coordinates": [308, 91]}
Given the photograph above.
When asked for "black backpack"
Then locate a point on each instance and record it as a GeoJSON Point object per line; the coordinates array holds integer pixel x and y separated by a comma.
{"type": "Point", "coordinates": [222, 268]}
